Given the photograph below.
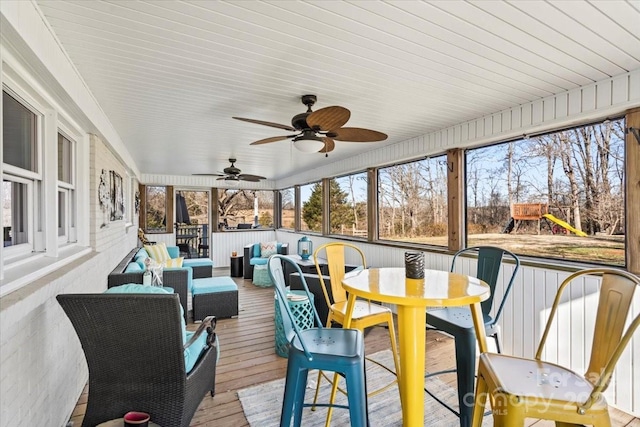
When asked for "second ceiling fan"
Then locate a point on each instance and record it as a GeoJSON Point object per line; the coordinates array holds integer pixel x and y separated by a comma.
{"type": "Point", "coordinates": [318, 130]}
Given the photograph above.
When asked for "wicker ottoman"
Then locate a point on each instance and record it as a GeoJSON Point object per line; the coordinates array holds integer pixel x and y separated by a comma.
{"type": "Point", "coordinates": [214, 296]}
{"type": "Point", "coordinates": [202, 267]}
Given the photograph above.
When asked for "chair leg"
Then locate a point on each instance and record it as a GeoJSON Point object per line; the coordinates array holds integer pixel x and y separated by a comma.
{"type": "Point", "coordinates": [496, 337]}
{"type": "Point", "coordinates": [332, 398]}
{"type": "Point", "coordinates": [357, 395]}
{"type": "Point", "coordinates": [301, 387]}
{"type": "Point", "coordinates": [465, 364]}
{"type": "Point", "coordinates": [394, 346]}
{"type": "Point", "coordinates": [317, 393]}
{"type": "Point", "coordinates": [508, 415]}
{"type": "Point", "coordinates": [480, 401]}
{"type": "Point", "coordinates": [294, 385]}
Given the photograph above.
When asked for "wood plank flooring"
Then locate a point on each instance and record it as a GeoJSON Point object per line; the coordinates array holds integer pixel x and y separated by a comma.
{"type": "Point", "coordinates": [248, 357]}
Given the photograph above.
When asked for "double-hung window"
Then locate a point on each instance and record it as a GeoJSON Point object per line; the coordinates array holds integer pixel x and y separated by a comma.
{"type": "Point", "coordinates": [66, 190]}
{"type": "Point", "coordinates": [21, 173]}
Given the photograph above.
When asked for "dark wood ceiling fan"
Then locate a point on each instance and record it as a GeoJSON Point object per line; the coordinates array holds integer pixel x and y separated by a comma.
{"type": "Point", "coordinates": [318, 130]}
{"type": "Point", "coordinates": [232, 173]}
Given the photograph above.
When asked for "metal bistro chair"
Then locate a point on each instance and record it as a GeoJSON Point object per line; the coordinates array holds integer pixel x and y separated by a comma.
{"type": "Point", "coordinates": [338, 350]}
{"type": "Point", "coordinates": [532, 388]}
{"type": "Point", "coordinates": [457, 322]}
{"type": "Point", "coordinates": [365, 313]}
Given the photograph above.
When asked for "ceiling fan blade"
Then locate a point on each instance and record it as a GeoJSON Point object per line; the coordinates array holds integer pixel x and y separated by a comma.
{"type": "Point", "coordinates": [328, 118]}
{"type": "Point", "coordinates": [358, 135]}
{"type": "Point", "coordinates": [261, 122]}
{"type": "Point", "coordinates": [329, 145]}
{"type": "Point", "coordinates": [249, 177]}
{"type": "Point", "coordinates": [207, 174]}
{"type": "Point", "coordinates": [272, 139]}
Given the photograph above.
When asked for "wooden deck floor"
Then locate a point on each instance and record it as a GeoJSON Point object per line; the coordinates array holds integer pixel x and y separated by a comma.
{"type": "Point", "coordinates": [248, 357]}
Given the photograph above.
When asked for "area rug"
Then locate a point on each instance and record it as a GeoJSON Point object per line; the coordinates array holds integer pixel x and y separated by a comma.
{"type": "Point", "coordinates": [262, 403]}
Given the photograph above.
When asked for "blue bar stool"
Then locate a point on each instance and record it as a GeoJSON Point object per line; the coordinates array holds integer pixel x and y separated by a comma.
{"type": "Point", "coordinates": [329, 349]}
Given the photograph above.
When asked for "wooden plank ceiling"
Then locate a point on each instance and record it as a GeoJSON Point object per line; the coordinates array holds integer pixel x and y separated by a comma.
{"type": "Point", "coordinates": [170, 75]}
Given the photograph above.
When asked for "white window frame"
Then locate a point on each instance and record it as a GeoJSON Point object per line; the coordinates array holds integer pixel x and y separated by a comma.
{"type": "Point", "coordinates": [69, 189]}
{"type": "Point", "coordinates": [24, 176]}
{"type": "Point", "coordinates": [23, 249]}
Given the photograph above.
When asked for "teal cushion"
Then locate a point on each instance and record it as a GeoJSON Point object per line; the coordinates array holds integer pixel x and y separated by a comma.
{"type": "Point", "coordinates": [174, 251]}
{"type": "Point", "coordinates": [209, 285]}
{"type": "Point", "coordinates": [133, 267]}
{"type": "Point", "coordinates": [192, 353]}
{"type": "Point", "coordinates": [256, 250]}
{"type": "Point", "coordinates": [258, 261]}
{"type": "Point", "coordinates": [197, 262]}
{"type": "Point", "coordinates": [140, 256]}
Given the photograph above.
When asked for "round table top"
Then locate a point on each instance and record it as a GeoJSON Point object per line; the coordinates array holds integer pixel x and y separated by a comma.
{"type": "Point", "coordinates": [438, 288]}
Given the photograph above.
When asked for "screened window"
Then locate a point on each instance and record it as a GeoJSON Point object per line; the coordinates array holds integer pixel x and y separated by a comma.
{"type": "Point", "coordinates": [156, 208]}
{"type": "Point", "coordinates": [412, 202]}
{"type": "Point", "coordinates": [245, 209]}
{"type": "Point", "coordinates": [559, 195]}
{"type": "Point", "coordinates": [311, 201]}
{"type": "Point", "coordinates": [348, 205]}
{"type": "Point", "coordinates": [288, 208]}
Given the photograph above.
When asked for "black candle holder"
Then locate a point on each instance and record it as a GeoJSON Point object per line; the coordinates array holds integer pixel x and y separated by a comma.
{"type": "Point", "coordinates": [414, 265]}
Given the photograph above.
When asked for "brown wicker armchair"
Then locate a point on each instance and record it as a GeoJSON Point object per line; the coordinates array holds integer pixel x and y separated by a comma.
{"type": "Point", "coordinates": [133, 344]}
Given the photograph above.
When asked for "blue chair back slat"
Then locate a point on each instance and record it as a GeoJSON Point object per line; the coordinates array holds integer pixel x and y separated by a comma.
{"type": "Point", "coordinates": [489, 264]}
{"type": "Point", "coordinates": [291, 329]}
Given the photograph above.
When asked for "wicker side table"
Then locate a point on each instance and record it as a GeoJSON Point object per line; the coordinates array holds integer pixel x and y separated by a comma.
{"type": "Point", "coordinates": [303, 312]}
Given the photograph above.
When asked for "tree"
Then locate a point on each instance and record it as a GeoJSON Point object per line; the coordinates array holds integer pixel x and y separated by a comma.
{"type": "Point", "coordinates": [340, 213]}
{"type": "Point", "coordinates": [266, 219]}
{"type": "Point", "coordinates": [312, 208]}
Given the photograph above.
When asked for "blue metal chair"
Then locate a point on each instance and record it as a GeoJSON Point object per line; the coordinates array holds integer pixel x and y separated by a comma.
{"type": "Point", "coordinates": [329, 349]}
{"type": "Point", "coordinates": [457, 322]}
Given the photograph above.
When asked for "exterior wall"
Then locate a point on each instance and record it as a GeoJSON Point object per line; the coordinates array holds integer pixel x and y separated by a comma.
{"type": "Point", "coordinates": [103, 233]}
{"type": "Point", "coordinates": [42, 366]}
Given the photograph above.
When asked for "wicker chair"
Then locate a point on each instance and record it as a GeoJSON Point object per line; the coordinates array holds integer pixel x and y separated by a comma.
{"type": "Point", "coordinates": [133, 344]}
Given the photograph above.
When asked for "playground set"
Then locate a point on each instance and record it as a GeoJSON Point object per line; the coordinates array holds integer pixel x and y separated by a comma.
{"type": "Point", "coordinates": [537, 212]}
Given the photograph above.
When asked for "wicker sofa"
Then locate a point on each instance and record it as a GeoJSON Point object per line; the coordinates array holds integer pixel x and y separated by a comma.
{"type": "Point", "coordinates": [253, 257]}
{"type": "Point", "coordinates": [177, 278]}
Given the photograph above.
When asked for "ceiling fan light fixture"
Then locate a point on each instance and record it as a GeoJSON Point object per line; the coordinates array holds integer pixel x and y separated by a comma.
{"type": "Point", "coordinates": [232, 181]}
{"type": "Point", "coordinates": [308, 142]}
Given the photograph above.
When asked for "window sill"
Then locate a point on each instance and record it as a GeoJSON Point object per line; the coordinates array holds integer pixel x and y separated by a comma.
{"type": "Point", "coordinates": [30, 268]}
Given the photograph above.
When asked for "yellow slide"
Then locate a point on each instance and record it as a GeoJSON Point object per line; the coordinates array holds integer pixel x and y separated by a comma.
{"type": "Point", "coordinates": [563, 224]}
